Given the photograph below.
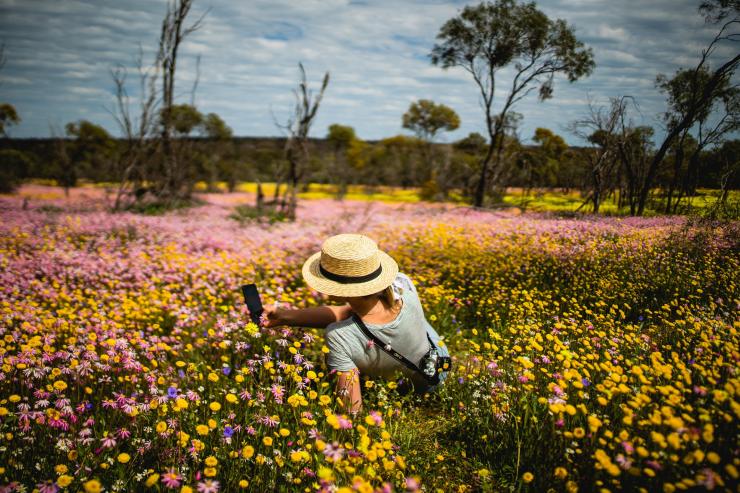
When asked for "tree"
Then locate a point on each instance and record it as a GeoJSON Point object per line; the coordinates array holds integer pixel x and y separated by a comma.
{"type": "Point", "coordinates": [182, 118]}
{"type": "Point", "coordinates": [490, 36]}
{"type": "Point", "coordinates": [92, 150]}
{"type": "Point", "coordinates": [149, 160]}
{"type": "Point", "coordinates": [425, 118]}
{"type": "Point", "coordinates": [634, 149]}
{"type": "Point", "coordinates": [540, 165]}
{"type": "Point", "coordinates": [8, 118]}
{"type": "Point", "coordinates": [680, 90]}
{"type": "Point", "coordinates": [8, 114]}
{"type": "Point", "coordinates": [174, 185]}
{"type": "Point", "coordinates": [342, 139]}
{"type": "Point", "coordinates": [296, 145]}
{"type": "Point", "coordinates": [600, 128]}
{"type": "Point", "coordinates": [215, 128]}
{"type": "Point", "coordinates": [701, 91]}
{"type": "Point", "coordinates": [219, 160]}
{"type": "Point", "coordinates": [14, 166]}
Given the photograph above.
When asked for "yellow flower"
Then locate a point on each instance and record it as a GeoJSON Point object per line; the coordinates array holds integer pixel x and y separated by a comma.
{"type": "Point", "coordinates": [93, 486]}
{"type": "Point", "coordinates": [579, 432]}
{"type": "Point", "coordinates": [123, 458]}
{"type": "Point", "coordinates": [211, 461]}
{"type": "Point", "coordinates": [527, 477]}
{"type": "Point", "coordinates": [152, 480]}
{"type": "Point", "coordinates": [60, 385]}
{"type": "Point", "coordinates": [232, 398]}
{"type": "Point", "coordinates": [202, 430]}
{"type": "Point", "coordinates": [325, 473]}
{"type": "Point", "coordinates": [713, 457]}
{"type": "Point", "coordinates": [248, 452]}
{"type": "Point", "coordinates": [186, 489]}
{"type": "Point", "coordinates": [561, 472]}
{"type": "Point", "coordinates": [161, 427]}
{"type": "Point", "coordinates": [64, 480]}
{"type": "Point", "coordinates": [243, 484]}
{"type": "Point", "coordinates": [213, 377]}
{"type": "Point", "coordinates": [209, 471]}
{"type": "Point", "coordinates": [284, 432]}
{"type": "Point", "coordinates": [267, 441]}
{"type": "Point", "coordinates": [61, 469]}
{"type": "Point", "coordinates": [215, 406]}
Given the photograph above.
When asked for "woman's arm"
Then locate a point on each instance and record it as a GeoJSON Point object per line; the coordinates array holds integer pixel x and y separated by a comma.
{"type": "Point", "coordinates": [348, 389]}
{"type": "Point", "coordinates": [315, 316]}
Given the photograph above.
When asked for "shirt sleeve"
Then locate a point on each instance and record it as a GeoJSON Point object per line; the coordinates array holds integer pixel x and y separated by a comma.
{"type": "Point", "coordinates": [402, 283]}
{"type": "Point", "coordinates": [338, 357]}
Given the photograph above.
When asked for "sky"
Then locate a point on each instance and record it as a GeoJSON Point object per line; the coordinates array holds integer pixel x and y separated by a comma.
{"type": "Point", "coordinates": [59, 55]}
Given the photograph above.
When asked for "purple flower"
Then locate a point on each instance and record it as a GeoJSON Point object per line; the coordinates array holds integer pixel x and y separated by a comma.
{"type": "Point", "coordinates": [172, 392]}
{"type": "Point", "coordinates": [226, 370]}
{"type": "Point", "coordinates": [228, 431]}
{"type": "Point", "coordinates": [585, 382]}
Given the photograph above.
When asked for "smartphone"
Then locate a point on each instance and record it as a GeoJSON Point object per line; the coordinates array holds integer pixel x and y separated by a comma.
{"type": "Point", "coordinates": [254, 304]}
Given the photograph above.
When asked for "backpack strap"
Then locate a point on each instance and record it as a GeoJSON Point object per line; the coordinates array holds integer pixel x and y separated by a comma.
{"type": "Point", "coordinates": [392, 352]}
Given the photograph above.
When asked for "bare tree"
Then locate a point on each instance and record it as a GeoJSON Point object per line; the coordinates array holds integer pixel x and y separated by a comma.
{"type": "Point", "coordinates": [139, 139]}
{"type": "Point", "coordinates": [296, 145]}
{"type": "Point", "coordinates": [599, 128]}
{"type": "Point", "coordinates": [172, 35]}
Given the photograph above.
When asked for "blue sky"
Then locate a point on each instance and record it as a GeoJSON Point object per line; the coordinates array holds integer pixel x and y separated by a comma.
{"type": "Point", "coordinates": [60, 53]}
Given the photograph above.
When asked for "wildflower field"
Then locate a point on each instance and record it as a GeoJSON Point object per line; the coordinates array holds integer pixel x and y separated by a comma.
{"type": "Point", "coordinates": [593, 354]}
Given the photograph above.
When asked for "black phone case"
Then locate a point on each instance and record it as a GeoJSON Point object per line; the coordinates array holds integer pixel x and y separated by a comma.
{"type": "Point", "coordinates": [254, 304]}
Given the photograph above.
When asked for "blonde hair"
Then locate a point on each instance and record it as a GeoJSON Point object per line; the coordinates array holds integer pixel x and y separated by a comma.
{"type": "Point", "coordinates": [389, 300]}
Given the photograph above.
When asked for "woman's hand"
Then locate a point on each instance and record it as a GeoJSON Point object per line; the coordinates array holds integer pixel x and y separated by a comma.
{"type": "Point", "coordinates": [273, 316]}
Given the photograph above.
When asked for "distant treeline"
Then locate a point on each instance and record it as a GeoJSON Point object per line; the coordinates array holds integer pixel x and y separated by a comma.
{"type": "Point", "coordinates": [401, 160]}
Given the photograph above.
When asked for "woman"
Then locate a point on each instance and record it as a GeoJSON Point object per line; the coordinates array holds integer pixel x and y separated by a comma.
{"type": "Point", "coordinates": [352, 270]}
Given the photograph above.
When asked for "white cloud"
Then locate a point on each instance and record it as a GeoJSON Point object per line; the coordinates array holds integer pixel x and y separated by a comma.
{"type": "Point", "coordinates": [376, 53]}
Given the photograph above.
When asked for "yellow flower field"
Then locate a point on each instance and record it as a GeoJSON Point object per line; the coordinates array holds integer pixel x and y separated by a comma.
{"type": "Point", "coordinates": [598, 354]}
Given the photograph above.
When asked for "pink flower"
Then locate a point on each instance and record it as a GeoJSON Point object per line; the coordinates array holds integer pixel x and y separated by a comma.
{"type": "Point", "coordinates": [333, 451]}
{"type": "Point", "coordinates": [171, 479]}
{"type": "Point", "coordinates": [47, 486]}
{"type": "Point", "coordinates": [208, 486]}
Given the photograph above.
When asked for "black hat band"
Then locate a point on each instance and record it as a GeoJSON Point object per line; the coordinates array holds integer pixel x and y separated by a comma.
{"type": "Point", "coordinates": [351, 279]}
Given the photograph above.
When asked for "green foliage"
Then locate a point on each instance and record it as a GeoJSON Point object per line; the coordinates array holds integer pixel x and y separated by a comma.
{"type": "Point", "coordinates": [341, 136]}
{"type": "Point", "coordinates": [246, 214]}
{"type": "Point", "coordinates": [183, 118]}
{"type": "Point", "coordinates": [14, 166]}
{"type": "Point", "coordinates": [215, 128]}
{"type": "Point", "coordinates": [474, 144]}
{"type": "Point", "coordinates": [425, 118]}
{"type": "Point", "coordinates": [8, 118]}
{"type": "Point", "coordinates": [494, 35]}
{"type": "Point", "coordinates": [160, 208]}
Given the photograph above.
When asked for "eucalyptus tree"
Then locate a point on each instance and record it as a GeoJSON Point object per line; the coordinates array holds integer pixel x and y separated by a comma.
{"type": "Point", "coordinates": [486, 38]}
{"type": "Point", "coordinates": [426, 118]}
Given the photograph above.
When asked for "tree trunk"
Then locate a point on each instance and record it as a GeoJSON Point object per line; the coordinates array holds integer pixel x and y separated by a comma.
{"type": "Point", "coordinates": [480, 188]}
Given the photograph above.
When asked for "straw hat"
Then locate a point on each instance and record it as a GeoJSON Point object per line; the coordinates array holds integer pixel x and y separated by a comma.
{"type": "Point", "coordinates": [349, 265]}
